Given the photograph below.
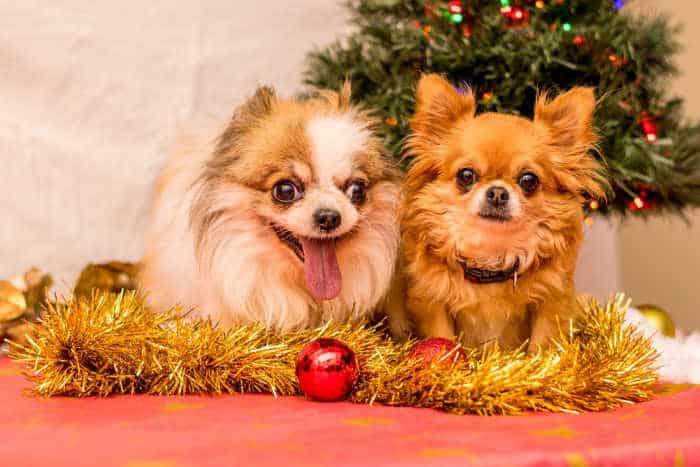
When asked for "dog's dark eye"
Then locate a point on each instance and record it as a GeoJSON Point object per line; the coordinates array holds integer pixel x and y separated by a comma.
{"type": "Point", "coordinates": [529, 182]}
{"type": "Point", "coordinates": [466, 178]}
{"type": "Point", "coordinates": [356, 192]}
{"type": "Point", "coordinates": [286, 192]}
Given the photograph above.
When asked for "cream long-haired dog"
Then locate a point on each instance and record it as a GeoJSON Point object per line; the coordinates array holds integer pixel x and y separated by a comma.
{"type": "Point", "coordinates": [287, 219]}
{"type": "Point", "coordinates": [492, 216]}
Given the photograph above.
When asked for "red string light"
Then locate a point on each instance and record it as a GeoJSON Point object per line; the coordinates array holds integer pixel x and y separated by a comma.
{"type": "Point", "coordinates": [515, 15]}
{"type": "Point", "coordinates": [455, 7]}
{"type": "Point", "coordinates": [579, 40]}
{"type": "Point", "coordinates": [649, 127]}
{"type": "Point", "coordinates": [636, 204]}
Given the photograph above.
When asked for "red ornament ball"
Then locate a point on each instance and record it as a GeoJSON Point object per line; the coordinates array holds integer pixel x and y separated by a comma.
{"type": "Point", "coordinates": [327, 370]}
{"type": "Point", "coordinates": [436, 348]}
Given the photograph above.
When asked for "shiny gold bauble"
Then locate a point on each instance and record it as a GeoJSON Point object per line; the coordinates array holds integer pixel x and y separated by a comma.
{"type": "Point", "coordinates": [22, 300]}
{"type": "Point", "coordinates": [11, 294]}
{"type": "Point", "coordinates": [658, 318]}
{"type": "Point", "coordinates": [9, 311]}
{"type": "Point", "coordinates": [111, 277]}
{"type": "Point", "coordinates": [12, 302]}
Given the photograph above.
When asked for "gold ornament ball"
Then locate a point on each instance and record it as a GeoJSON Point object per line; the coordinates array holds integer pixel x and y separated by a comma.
{"type": "Point", "coordinates": [12, 302]}
{"type": "Point", "coordinates": [11, 294]}
{"type": "Point", "coordinates": [658, 318]}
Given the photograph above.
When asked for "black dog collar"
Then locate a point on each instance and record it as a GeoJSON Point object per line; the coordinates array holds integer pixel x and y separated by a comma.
{"type": "Point", "coordinates": [488, 276]}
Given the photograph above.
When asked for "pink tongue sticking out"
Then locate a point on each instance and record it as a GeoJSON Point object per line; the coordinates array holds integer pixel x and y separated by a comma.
{"type": "Point", "coordinates": [321, 269]}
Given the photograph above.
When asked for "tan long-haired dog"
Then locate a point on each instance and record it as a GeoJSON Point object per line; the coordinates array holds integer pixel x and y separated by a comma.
{"type": "Point", "coordinates": [492, 216]}
{"type": "Point", "coordinates": [288, 218]}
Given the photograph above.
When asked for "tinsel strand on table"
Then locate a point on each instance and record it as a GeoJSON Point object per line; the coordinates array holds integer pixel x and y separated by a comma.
{"type": "Point", "coordinates": [112, 344]}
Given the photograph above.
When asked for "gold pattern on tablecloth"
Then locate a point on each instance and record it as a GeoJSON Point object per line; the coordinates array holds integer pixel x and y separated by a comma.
{"type": "Point", "coordinates": [153, 463]}
{"type": "Point", "coordinates": [636, 414]}
{"type": "Point", "coordinates": [576, 460]}
{"type": "Point", "coordinates": [669, 389]}
{"type": "Point", "coordinates": [446, 453]}
{"type": "Point", "coordinates": [563, 432]}
{"type": "Point", "coordinates": [13, 370]}
{"type": "Point", "coordinates": [180, 406]}
{"type": "Point", "coordinates": [368, 421]}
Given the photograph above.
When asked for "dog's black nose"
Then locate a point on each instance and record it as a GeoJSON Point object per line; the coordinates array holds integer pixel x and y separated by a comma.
{"type": "Point", "coordinates": [327, 219]}
{"type": "Point", "coordinates": [497, 196]}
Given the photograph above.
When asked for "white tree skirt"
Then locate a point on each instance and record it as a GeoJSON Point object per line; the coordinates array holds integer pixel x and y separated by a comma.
{"type": "Point", "coordinates": [679, 357]}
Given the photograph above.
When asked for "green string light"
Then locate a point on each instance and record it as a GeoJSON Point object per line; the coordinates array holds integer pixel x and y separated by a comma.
{"type": "Point", "coordinates": [567, 27]}
{"type": "Point", "coordinates": [456, 18]}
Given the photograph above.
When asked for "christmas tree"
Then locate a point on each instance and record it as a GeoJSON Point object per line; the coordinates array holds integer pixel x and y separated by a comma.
{"type": "Point", "coordinates": [508, 51]}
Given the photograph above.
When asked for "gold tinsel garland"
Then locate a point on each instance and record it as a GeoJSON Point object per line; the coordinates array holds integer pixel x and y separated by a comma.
{"type": "Point", "coordinates": [112, 344]}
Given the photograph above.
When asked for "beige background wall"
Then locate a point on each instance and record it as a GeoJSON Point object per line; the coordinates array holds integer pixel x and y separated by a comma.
{"type": "Point", "coordinates": [660, 258]}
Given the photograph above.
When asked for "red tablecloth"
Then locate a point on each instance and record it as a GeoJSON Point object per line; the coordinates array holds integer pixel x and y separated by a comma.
{"type": "Point", "coordinates": [258, 430]}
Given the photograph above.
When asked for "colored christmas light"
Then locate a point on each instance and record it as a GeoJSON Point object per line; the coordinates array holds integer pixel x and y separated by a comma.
{"type": "Point", "coordinates": [567, 27]}
{"type": "Point", "coordinates": [649, 127]}
{"type": "Point", "coordinates": [579, 40]}
{"type": "Point", "coordinates": [456, 18]}
{"type": "Point", "coordinates": [455, 7]}
{"type": "Point", "coordinates": [618, 4]}
{"type": "Point", "coordinates": [641, 201]}
{"type": "Point", "coordinates": [539, 4]}
{"type": "Point", "coordinates": [515, 15]}
{"type": "Point", "coordinates": [637, 203]}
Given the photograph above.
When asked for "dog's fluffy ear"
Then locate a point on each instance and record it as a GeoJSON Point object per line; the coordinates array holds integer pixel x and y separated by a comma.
{"type": "Point", "coordinates": [260, 104]}
{"type": "Point", "coordinates": [439, 105]}
{"type": "Point", "coordinates": [569, 116]}
{"type": "Point", "coordinates": [569, 121]}
{"type": "Point", "coordinates": [339, 99]}
{"type": "Point", "coordinates": [256, 107]}
{"type": "Point", "coordinates": [344, 95]}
